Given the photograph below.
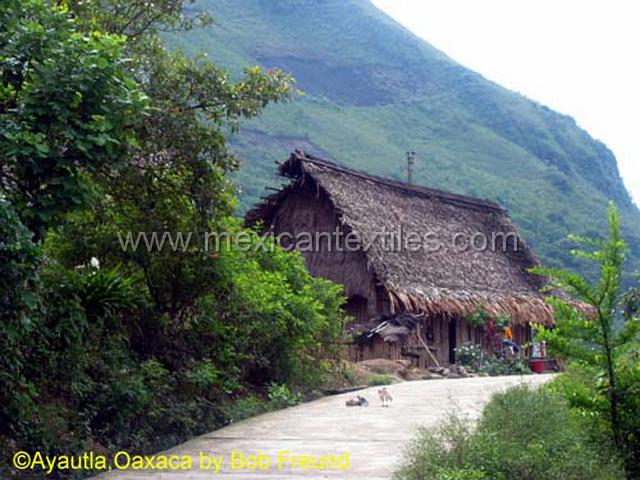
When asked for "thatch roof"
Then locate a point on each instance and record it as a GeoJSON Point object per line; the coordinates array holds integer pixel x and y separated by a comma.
{"type": "Point", "coordinates": [433, 281]}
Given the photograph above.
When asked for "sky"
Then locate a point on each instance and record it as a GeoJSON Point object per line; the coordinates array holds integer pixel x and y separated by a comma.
{"type": "Point", "coordinates": [579, 57]}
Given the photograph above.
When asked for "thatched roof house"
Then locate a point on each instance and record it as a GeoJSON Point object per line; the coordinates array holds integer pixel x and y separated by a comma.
{"type": "Point", "coordinates": [469, 256]}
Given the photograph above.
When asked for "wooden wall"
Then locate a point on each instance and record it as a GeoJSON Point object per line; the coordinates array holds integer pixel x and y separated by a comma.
{"type": "Point", "coordinates": [308, 211]}
{"type": "Point", "coordinates": [435, 330]}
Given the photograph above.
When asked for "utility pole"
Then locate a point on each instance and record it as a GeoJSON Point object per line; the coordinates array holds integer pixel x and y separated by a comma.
{"type": "Point", "coordinates": [410, 163]}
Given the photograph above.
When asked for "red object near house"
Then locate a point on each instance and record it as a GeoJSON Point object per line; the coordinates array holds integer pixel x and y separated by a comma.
{"type": "Point", "coordinates": [537, 365]}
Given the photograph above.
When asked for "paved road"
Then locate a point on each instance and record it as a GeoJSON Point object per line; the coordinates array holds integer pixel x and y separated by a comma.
{"type": "Point", "coordinates": [373, 437]}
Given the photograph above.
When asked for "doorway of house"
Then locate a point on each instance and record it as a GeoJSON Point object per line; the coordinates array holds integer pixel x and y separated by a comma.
{"type": "Point", "coordinates": [453, 333]}
{"type": "Point", "coordinates": [356, 307]}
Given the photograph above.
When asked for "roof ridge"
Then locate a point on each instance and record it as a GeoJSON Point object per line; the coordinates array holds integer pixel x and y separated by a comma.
{"type": "Point", "coordinates": [459, 199]}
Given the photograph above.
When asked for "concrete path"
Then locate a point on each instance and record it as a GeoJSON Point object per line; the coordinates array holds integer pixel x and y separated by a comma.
{"type": "Point", "coordinates": [374, 438]}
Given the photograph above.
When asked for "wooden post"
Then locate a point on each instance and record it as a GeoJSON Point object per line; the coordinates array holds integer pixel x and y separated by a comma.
{"type": "Point", "coordinates": [426, 347]}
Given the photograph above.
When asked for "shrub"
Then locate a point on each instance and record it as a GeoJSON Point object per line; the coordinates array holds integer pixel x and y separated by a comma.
{"type": "Point", "coordinates": [281, 396]}
{"type": "Point", "coordinates": [148, 350]}
{"type": "Point", "coordinates": [496, 366]}
{"type": "Point", "coordinates": [284, 319]}
{"type": "Point", "coordinates": [520, 434]}
{"type": "Point", "coordinates": [380, 379]}
{"type": "Point", "coordinates": [474, 357]}
{"type": "Point", "coordinates": [479, 318]}
{"type": "Point", "coordinates": [470, 355]}
{"type": "Point", "coordinates": [105, 293]}
{"type": "Point", "coordinates": [582, 386]}
{"type": "Point", "coordinates": [501, 322]}
{"type": "Point", "coordinates": [245, 407]}
{"type": "Point", "coordinates": [278, 397]}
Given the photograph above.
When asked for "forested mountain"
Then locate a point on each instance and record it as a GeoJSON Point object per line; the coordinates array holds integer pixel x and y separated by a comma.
{"type": "Point", "coordinates": [373, 90]}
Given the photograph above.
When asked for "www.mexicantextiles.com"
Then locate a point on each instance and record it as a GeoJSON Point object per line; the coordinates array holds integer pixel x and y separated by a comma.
{"type": "Point", "coordinates": [396, 240]}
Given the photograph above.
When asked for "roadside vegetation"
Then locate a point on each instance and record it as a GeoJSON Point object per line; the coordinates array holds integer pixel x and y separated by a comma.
{"type": "Point", "coordinates": [103, 131]}
{"type": "Point", "coordinates": [586, 423]}
{"type": "Point", "coordinates": [379, 379]}
{"type": "Point", "coordinates": [603, 347]}
{"type": "Point", "coordinates": [521, 434]}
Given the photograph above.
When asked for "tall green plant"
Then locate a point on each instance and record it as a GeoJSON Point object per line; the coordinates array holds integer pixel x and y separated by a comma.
{"type": "Point", "coordinates": [589, 335]}
{"type": "Point", "coordinates": [67, 105]}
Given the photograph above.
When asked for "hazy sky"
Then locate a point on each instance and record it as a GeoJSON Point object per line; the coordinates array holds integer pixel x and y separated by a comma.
{"type": "Point", "coordinates": [579, 57]}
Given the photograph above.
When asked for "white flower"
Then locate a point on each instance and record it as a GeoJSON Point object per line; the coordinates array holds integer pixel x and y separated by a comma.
{"type": "Point", "coordinates": [94, 262]}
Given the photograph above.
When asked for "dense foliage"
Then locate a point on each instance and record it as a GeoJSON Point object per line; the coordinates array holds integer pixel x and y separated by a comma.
{"type": "Point", "coordinates": [605, 352]}
{"type": "Point", "coordinates": [520, 434]}
{"type": "Point", "coordinates": [106, 345]}
{"type": "Point", "coordinates": [67, 105]}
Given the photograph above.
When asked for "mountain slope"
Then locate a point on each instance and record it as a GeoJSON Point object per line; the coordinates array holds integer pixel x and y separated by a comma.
{"type": "Point", "coordinates": [373, 90]}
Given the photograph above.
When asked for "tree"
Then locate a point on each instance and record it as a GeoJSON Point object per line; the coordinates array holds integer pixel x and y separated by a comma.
{"type": "Point", "coordinates": [67, 105]}
{"type": "Point", "coordinates": [175, 180]}
{"type": "Point", "coordinates": [590, 337]}
{"type": "Point", "coordinates": [146, 347]}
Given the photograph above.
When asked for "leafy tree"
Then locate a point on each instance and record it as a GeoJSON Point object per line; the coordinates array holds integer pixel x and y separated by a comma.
{"type": "Point", "coordinates": [67, 105]}
{"type": "Point", "coordinates": [194, 104]}
{"type": "Point", "coordinates": [153, 345]}
{"type": "Point", "coordinates": [590, 337]}
{"type": "Point", "coordinates": [176, 179]}
{"type": "Point", "coordinates": [285, 319]}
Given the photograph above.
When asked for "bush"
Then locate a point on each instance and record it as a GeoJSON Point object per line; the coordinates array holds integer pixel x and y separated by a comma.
{"type": "Point", "coordinates": [473, 357]}
{"type": "Point", "coordinates": [496, 366]}
{"type": "Point", "coordinates": [520, 434]}
{"type": "Point", "coordinates": [281, 396]}
{"type": "Point", "coordinates": [380, 379]}
{"type": "Point", "coordinates": [582, 386]}
{"type": "Point", "coordinates": [278, 397]}
{"type": "Point", "coordinates": [284, 319]}
{"type": "Point", "coordinates": [470, 355]}
{"type": "Point", "coordinates": [245, 407]}
{"type": "Point", "coordinates": [150, 349]}
{"type": "Point", "coordinates": [479, 318]}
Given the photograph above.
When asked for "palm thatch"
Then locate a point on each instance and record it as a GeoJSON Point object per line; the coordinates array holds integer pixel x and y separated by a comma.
{"type": "Point", "coordinates": [443, 281]}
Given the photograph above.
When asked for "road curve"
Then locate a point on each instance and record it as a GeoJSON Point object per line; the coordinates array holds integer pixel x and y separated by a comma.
{"type": "Point", "coordinates": [374, 437]}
